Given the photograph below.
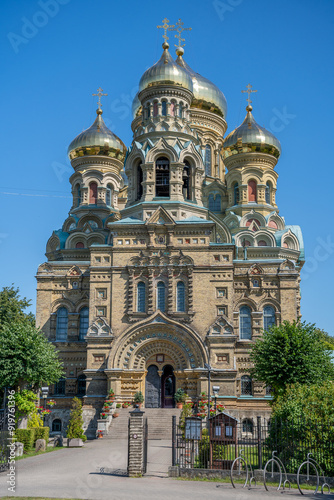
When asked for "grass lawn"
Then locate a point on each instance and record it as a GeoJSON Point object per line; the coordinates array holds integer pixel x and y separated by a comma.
{"type": "Point", "coordinates": [33, 453]}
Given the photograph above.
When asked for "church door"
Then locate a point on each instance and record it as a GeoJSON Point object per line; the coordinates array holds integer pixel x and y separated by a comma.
{"type": "Point", "coordinates": [168, 387]}
{"type": "Point", "coordinates": [152, 388]}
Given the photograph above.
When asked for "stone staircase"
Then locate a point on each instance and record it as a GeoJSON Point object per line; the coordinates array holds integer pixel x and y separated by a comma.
{"type": "Point", "coordinates": [159, 422]}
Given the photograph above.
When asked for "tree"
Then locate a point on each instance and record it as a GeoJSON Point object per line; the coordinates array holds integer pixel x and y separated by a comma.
{"type": "Point", "coordinates": [291, 353]}
{"type": "Point", "coordinates": [26, 357]}
{"type": "Point", "coordinates": [12, 307]}
{"type": "Point", "coordinates": [74, 429]}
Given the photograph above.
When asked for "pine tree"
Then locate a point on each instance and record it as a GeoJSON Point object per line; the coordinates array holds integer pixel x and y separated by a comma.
{"type": "Point", "coordinates": [74, 429]}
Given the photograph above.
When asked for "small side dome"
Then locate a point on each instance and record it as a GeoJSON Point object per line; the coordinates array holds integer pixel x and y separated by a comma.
{"type": "Point", "coordinates": [207, 95]}
{"type": "Point", "coordinates": [249, 136]}
{"type": "Point", "coordinates": [166, 72]}
{"type": "Point", "coordinates": [97, 140]}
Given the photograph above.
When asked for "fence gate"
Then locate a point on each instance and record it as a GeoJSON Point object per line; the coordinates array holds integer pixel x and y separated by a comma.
{"type": "Point", "coordinates": [145, 444]}
{"type": "Point", "coordinates": [4, 449]}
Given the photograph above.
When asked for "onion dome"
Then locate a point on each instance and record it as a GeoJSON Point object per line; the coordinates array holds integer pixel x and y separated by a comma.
{"type": "Point", "coordinates": [136, 106]}
{"type": "Point", "coordinates": [97, 140]}
{"type": "Point", "coordinates": [251, 137]}
{"type": "Point", "coordinates": [207, 95]}
{"type": "Point", "coordinates": [165, 72]}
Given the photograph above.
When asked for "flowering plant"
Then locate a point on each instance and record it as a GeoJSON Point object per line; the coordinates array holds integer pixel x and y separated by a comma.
{"type": "Point", "coordinates": [104, 415]}
{"type": "Point", "coordinates": [43, 411]}
{"type": "Point", "coordinates": [51, 402]}
{"type": "Point", "coordinates": [99, 434]}
{"type": "Point", "coordinates": [126, 404]}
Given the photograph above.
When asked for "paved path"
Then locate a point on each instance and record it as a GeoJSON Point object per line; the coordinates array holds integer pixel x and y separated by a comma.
{"type": "Point", "coordinates": [76, 473]}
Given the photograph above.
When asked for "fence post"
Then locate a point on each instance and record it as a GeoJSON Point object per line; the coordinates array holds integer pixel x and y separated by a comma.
{"type": "Point", "coordinates": [173, 440]}
{"type": "Point", "coordinates": [259, 442]}
{"type": "Point", "coordinates": [136, 442]}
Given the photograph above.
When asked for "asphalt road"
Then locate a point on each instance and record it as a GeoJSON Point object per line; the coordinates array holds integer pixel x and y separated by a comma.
{"type": "Point", "coordinates": [97, 472]}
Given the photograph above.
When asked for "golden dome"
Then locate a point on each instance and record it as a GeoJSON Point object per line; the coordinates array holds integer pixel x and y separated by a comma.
{"type": "Point", "coordinates": [97, 140]}
{"type": "Point", "coordinates": [206, 94]}
{"type": "Point", "coordinates": [249, 136]}
{"type": "Point", "coordinates": [166, 72]}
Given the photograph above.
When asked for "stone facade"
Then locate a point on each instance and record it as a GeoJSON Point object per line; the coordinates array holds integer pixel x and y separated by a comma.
{"type": "Point", "coordinates": [171, 259]}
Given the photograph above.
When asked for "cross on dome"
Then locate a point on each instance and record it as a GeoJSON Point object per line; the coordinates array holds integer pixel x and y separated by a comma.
{"type": "Point", "coordinates": [99, 94]}
{"type": "Point", "coordinates": [179, 30]}
{"type": "Point", "coordinates": [166, 27]}
{"type": "Point", "coordinates": [249, 91]}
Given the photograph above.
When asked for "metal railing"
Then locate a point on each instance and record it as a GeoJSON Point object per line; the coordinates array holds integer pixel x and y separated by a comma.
{"type": "Point", "coordinates": [219, 443]}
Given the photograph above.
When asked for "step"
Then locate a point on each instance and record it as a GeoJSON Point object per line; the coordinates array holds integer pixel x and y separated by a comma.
{"type": "Point", "coordinates": [159, 421]}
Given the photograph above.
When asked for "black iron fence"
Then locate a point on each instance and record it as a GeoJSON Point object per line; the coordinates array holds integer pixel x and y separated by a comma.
{"type": "Point", "coordinates": [4, 441]}
{"type": "Point", "coordinates": [217, 443]}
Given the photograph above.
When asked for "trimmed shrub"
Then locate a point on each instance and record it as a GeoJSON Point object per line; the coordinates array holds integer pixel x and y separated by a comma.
{"type": "Point", "coordinates": [42, 433]}
{"type": "Point", "coordinates": [27, 437]}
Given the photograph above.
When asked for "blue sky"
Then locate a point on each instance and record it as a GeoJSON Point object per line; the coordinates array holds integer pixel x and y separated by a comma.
{"type": "Point", "coordinates": [56, 53]}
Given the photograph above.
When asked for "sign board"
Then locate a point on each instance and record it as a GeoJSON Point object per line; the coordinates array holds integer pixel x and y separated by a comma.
{"type": "Point", "coordinates": [193, 428]}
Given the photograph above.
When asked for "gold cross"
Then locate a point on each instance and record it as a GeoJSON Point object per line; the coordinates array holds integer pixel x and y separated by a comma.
{"type": "Point", "coordinates": [179, 30]}
{"type": "Point", "coordinates": [99, 93]}
{"type": "Point", "coordinates": [166, 27]}
{"type": "Point", "coordinates": [249, 91]}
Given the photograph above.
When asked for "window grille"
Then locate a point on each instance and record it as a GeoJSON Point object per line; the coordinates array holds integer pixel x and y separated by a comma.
{"type": "Point", "coordinates": [248, 426]}
{"type": "Point", "coordinates": [269, 317]}
{"type": "Point", "coordinates": [59, 387]}
{"type": "Point", "coordinates": [81, 385]}
{"type": "Point", "coordinates": [84, 322]}
{"type": "Point", "coordinates": [268, 194]}
{"type": "Point", "coordinates": [162, 177]}
{"type": "Point", "coordinates": [236, 194]}
{"type": "Point", "coordinates": [246, 386]}
{"type": "Point", "coordinates": [164, 108]}
{"type": "Point", "coordinates": [207, 160]}
{"type": "Point", "coordinates": [161, 296]}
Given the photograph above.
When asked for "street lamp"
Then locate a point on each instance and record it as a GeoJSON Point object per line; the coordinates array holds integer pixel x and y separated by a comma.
{"type": "Point", "coordinates": [215, 389]}
{"type": "Point", "coordinates": [45, 392]}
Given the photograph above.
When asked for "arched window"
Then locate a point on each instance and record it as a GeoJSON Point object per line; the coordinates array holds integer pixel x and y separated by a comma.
{"type": "Point", "coordinates": [172, 108]}
{"type": "Point", "coordinates": [211, 202]}
{"type": "Point", "coordinates": [139, 182]}
{"type": "Point", "coordinates": [268, 193]}
{"type": "Point", "coordinates": [245, 323]}
{"type": "Point", "coordinates": [269, 317]}
{"type": "Point", "coordinates": [141, 297]}
{"type": "Point", "coordinates": [79, 245]}
{"type": "Point", "coordinates": [246, 386]}
{"type": "Point", "coordinates": [109, 196]}
{"type": "Point", "coordinates": [164, 108]}
{"type": "Point", "coordinates": [262, 243]}
{"type": "Point", "coordinates": [186, 177]}
{"type": "Point", "coordinates": [81, 385]}
{"type": "Point", "coordinates": [180, 297]}
{"type": "Point", "coordinates": [78, 195]}
{"type": "Point", "coordinates": [148, 110]}
{"type": "Point", "coordinates": [93, 193]}
{"type": "Point", "coordinates": [252, 191]}
{"type": "Point", "coordinates": [236, 194]}
{"type": "Point", "coordinates": [180, 109]}
{"type": "Point", "coordinates": [155, 109]}
{"type": "Point", "coordinates": [83, 322]}
{"type": "Point", "coordinates": [161, 296]}
{"type": "Point", "coordinates": [62, 321]}
{"type": "Point", "coordinates": [56, 425]}
{"type": "Point", "coordinates": [217, 203]}
{"type": "Point", "coordinates": [59, 387]}
{"type": "Point", "coordinates": [162, 177]}
{"type": "Point", "coordinates": [247, 426]}
{"type": "Point", "coordinates": [207, 160]}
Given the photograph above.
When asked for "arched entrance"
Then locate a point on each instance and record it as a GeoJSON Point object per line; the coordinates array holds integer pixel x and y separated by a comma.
{"type": "Point", "coordinates": [168, 387]}
{"type": "Point", "coordinates": [152, 388]}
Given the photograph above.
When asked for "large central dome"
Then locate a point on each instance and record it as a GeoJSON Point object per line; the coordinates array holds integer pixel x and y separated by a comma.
{"type": "Point", "coordinates": [166, 72]}
{"type": "Point", "coordinates": [206, 94]}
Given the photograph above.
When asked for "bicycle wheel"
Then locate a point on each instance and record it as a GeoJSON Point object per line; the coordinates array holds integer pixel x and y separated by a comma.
{"type": "Point", "coordinates": [239, 472]}
{"type": "Point", "coordinates": [272, 473]}
{"type": "Point", "coordinates": [304, 476]}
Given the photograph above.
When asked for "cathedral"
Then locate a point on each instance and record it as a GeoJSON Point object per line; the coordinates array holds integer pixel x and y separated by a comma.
{"type": "Point", "coordinates": [173, 256]}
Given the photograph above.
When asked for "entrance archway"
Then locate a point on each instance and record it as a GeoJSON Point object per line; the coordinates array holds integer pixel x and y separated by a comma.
{"type": "Point", "coordinates": [167, 387]}
{"type": "Point", "coordinates": [152, 388]}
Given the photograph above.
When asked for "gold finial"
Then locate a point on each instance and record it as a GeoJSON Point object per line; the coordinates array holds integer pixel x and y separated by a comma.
{"type": "Point", "coordinates": [99, 94]}
{"type": "Point", "coordinates": [249, 91]}
{"type": "Point", "coordinates": [166, 27]}
{"type": "Point", "coordinates": [179, 30]}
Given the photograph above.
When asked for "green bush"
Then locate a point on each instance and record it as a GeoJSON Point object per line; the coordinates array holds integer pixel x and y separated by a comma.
{"type": "Point", "coordinates": [42, 433]}
{"type": "Point", "coordinates": [27, 437]}
{"type": "Point", "coordinates": [74, 429]}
